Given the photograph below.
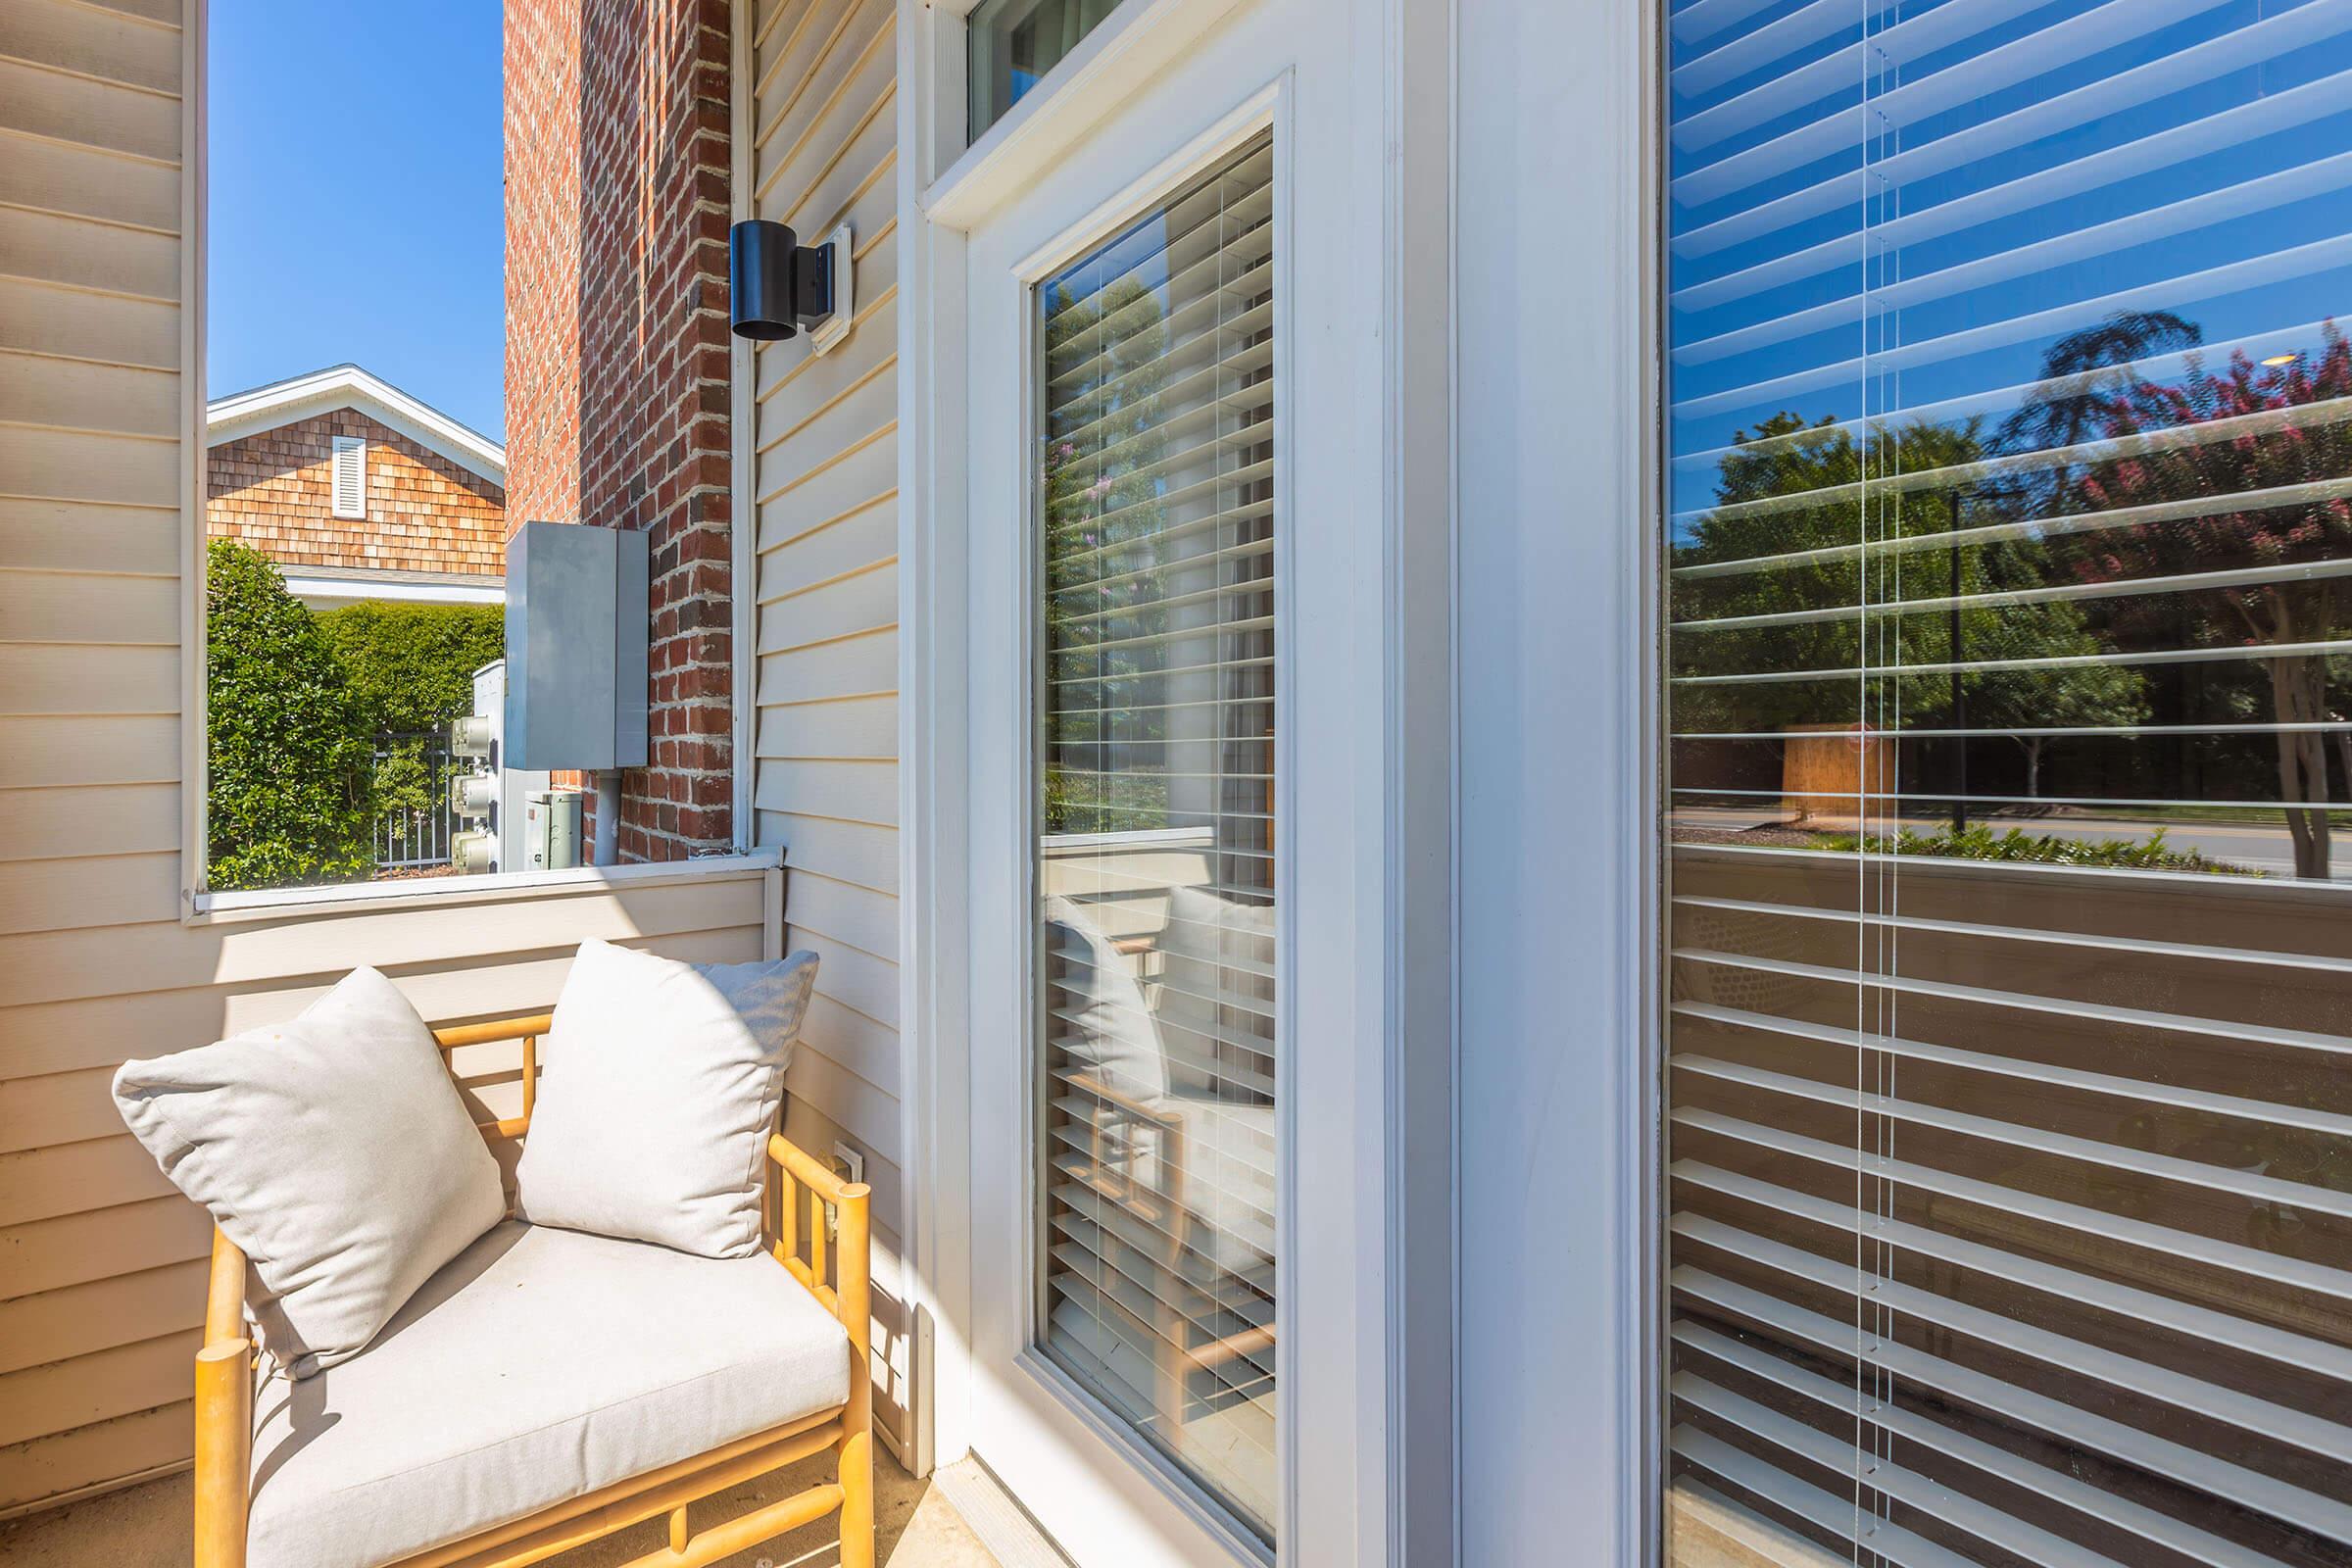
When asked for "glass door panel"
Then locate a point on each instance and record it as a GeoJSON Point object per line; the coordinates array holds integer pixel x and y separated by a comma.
{"type": "Point", "coordinates": [2010, 711]}
{"type": "Point", "coordinates": [1153, 801]}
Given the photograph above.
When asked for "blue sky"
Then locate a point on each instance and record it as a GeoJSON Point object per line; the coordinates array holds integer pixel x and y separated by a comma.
{"type": "Point", "coordinates": [357, 207]}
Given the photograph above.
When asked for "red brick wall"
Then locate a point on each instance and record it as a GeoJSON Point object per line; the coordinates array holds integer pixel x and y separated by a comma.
{"type": "Point", "coordinates": [617, 358]}
{"type": "Point", "coordinates": [541, 116]}
{"type": "Point", "coordinates": [274, 490]}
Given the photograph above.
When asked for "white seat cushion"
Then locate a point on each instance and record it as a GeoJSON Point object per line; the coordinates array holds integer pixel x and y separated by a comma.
{"type": "Point", "coordinates": [539, 1364]}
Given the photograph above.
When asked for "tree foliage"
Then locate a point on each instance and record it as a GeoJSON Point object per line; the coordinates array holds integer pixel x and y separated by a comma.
{"type": "Point", "coordinates": [411, 666]}
{"type": "Point", "coordinates": [287, 801]}
{"type": "Point", "coordinates": [1101, 521]}
{"type": "Point", "coordinates": [2270, 496]}
{"type": "Point", "coordinates": [1808, 519]}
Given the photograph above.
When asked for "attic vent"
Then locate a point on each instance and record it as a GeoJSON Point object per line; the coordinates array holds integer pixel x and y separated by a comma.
{"type": "Point", "coordinates": [351, 476]}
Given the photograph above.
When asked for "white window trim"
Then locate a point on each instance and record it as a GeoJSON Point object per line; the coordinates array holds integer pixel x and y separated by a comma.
{"type": "Point", "coordinates": [1562, 1308]}
{"type": "Point", "coordinates": [1269, 110]}
{"type": "Point", "coordinates": [495, 887]}
{"type": "Point", "coordinates": [198, 905]}
{"type": "Point", "coordinates": [1125, 49]}
{"type": "Point", "coordinates": [945, 188]}
{"type": "Point", "coordinates": [195, 453]}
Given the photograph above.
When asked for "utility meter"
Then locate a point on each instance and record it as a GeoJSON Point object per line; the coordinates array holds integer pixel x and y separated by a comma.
{"type": "Point", "coordinates": [473, 794]}
{"type": "Point", "coordinates": [472, 853]}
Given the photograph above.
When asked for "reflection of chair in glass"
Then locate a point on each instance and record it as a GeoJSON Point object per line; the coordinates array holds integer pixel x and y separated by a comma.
{"type": "Point", "coordinates": [1163, 1198]}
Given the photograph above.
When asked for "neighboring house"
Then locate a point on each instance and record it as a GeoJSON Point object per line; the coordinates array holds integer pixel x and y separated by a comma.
{"type": "Point", "coordinates": [357, 491]}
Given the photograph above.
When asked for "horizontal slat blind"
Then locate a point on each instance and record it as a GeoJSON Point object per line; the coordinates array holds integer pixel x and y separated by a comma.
{"type": "Point", "coordinates": [2010, 488]}
{"type": "Point", "coordinates": [1155, 820]}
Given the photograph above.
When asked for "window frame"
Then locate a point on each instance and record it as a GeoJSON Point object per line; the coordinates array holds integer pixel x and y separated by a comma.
{"type": "Point", "coordinates": [1125, 50]}
{"type": "Point", "coordinates": [1267, 111]}
{"type": "Point", "coordinates": [198, 905]}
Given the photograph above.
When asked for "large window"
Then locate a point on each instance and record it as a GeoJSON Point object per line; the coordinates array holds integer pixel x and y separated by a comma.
{"type": "Point", "coordinates": [2010, 698]}
{"type": "Point", "coordinates": [1154, 821]}
{"type": "Point", "coordinates": [354, 520]}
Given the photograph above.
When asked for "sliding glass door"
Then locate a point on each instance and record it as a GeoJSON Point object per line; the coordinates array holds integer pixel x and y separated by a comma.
{"type": "Point", "coordinates": [2009, 698]}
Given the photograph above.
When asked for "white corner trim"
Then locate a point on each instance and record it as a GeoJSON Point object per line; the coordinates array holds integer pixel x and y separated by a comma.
{"type": "Point", "coordinates": [194, 457]}
{"type": "Point", "coordinates": [1090, 82]}
{"type": "Point", "coordinates": [743, 439]}
{"type": "Point", "coordinates": [347, 386]}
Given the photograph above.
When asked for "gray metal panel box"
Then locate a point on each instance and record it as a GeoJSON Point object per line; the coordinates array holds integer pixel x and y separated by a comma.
{"type": "Point", "coordinates": [578, 615]}
{"type": "Point", "coordinates": [551, 830]}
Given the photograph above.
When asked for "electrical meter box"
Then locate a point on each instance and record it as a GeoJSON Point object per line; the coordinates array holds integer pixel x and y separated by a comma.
{"type": "Point", "coordinates": [488, 797]}
{"type": "Point", "coordinates": [551, 831]}
{"type": "Point", "coordinates": [578, 623]}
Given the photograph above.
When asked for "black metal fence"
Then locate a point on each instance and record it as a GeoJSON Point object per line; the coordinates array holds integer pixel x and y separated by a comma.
{"type": "Point", "coordinates": [416, 833]}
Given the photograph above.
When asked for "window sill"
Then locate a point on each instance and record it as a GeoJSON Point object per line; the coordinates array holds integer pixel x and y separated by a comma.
{"type": "Point", "coordinates": [498, 887]}
{"type": "Point", "coordinates": [1092, 80]}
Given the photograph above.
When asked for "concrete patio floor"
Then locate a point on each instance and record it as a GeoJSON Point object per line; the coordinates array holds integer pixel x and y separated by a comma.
{"type": "Point", "coordinates": [147, 1526]}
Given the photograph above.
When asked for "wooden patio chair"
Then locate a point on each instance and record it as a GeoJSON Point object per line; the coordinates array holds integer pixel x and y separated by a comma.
{"type": "Point", "coordinates": [1164, 1174]}
{"type": "Point", "coordinates": [228, 1481]}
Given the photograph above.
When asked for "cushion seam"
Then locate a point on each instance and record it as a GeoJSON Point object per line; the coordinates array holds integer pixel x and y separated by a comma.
{"type": "Point", "coordinates": [544, 1425]}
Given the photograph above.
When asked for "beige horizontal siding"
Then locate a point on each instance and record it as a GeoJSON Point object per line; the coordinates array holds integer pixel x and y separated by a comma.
{"type": "Point", "coordinates": [824, 434]}
{"type": "Point", "coordinates": [101, 1263]}
{"type": "Point", "coordinates": [76, 536]}
{"type": "Point", "coordinates": [44, 101]}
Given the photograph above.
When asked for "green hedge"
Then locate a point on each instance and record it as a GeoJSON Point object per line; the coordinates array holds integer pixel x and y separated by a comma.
{"type": "Point", "coordinates": [288, 796]}
{"type": "Point", "coordinates": [411, 668]}
{"type": "Point", "coordinates": [296, 706]}
{"type": "Point", "coordinates": [411, 665]}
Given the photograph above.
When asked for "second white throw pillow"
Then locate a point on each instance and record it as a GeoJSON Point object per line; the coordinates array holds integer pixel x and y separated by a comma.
{"type": "Point", "coordinates": [658, 1085]}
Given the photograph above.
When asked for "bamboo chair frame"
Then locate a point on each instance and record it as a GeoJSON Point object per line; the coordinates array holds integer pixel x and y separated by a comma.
{"type": "Point", "coordinates": [224, 1369]}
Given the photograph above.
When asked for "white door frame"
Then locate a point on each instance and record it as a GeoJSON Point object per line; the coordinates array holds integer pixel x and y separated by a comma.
{"type": "Point", "coordinates": [1380, 1357]}
{"type": "Point", "coordinates": [1025, 1403]}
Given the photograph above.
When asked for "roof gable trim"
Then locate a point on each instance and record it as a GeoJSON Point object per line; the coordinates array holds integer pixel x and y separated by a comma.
{"type": "Point", "coordinates": [347, 386]}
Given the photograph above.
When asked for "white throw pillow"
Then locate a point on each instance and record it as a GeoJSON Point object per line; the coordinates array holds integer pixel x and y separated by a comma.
{"type": "Point", "coordinates": [1216, 990]}
{"type": "Point", "coordinates": [1101, 1017]}
{"type": "Point", "coordinates": [659, 1084]}
{"type": "Point", "coordinates": [333, 1149]}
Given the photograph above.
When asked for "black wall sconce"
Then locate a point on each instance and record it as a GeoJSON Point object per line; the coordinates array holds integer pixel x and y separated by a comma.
{"type": "Point", "coordinates": [778, 287]}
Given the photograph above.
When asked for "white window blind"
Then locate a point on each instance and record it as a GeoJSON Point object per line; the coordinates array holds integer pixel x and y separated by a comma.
{"type": "Point", "coordinates": [351, 476]}
{"type": "Point", "coordinates": [1156, 919]}
{"type": "Point", "coordinates": [2010, 736]}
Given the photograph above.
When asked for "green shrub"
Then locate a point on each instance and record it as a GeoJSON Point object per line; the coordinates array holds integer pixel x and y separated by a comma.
{"type": "Point", "coordinates": [411, 665]}
{"type": "Point", "coordinates": [287, 746]}
{"type": "Point", "coordinates": [411, 669]}
{"type": "Point", "coordinates": [1980, 842]}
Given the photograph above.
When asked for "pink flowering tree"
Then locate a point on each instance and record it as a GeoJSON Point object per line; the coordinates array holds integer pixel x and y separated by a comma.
{"type": "Point", "coordinates": [2262, 454]}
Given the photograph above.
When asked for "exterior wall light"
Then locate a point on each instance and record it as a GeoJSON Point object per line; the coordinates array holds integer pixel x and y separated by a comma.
{"type": "Point", "coordinates": [778, 287]}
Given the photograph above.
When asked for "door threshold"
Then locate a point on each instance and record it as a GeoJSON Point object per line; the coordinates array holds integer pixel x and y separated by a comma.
{"type": "Point", "coordinates": [997, 1517]}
